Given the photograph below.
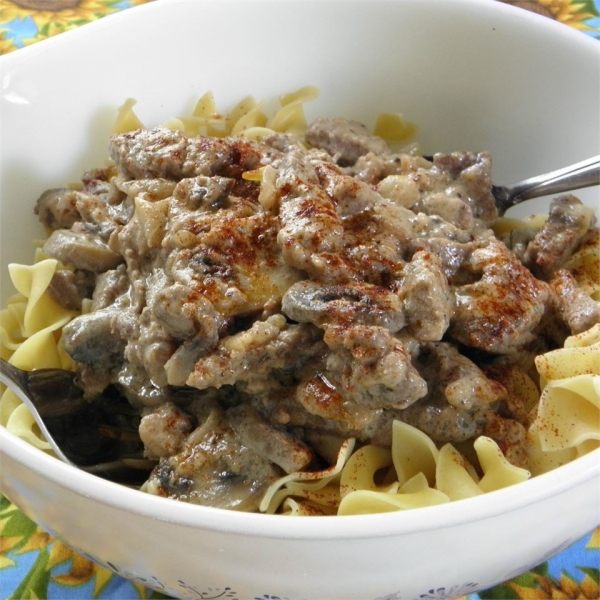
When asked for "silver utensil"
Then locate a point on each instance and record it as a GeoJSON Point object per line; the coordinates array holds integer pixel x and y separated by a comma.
{"type": "Point", "coordinates": [100, 436]}
{"type": "Point", "coordinates": [580, 175]}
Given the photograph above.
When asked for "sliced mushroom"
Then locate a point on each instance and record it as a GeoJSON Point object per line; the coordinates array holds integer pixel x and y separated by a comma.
{"type": "Point", "coordinates": [57, 208]}
{"type": "Point", "coordinates": [82, 250]}
{"type": "Point", "coordinates": [359, 303]}
{"type": "Point", "coordinates": [93, 340]}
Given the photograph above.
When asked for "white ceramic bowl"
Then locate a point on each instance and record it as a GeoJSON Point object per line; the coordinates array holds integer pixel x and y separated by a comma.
{"type": "Point", "coordinates": [474, 75]}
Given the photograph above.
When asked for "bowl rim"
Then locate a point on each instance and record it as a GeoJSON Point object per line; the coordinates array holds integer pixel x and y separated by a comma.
{"type": "Point", "coordinates": [510, 499]}
{"type": "Point", "coordinates": [90, 28]}
{"type": "Point", "coordinates": [120, 497]}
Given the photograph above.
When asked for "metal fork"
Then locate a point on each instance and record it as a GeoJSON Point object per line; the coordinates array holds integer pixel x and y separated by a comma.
{"type": "Point", "coordinates": [580, 175]}
{"type": "Point", "coordinates": [99, 436]}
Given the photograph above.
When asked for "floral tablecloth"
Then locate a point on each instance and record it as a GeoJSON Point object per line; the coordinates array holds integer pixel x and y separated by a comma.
{"type": "Point", "coordinates": [34, 565]}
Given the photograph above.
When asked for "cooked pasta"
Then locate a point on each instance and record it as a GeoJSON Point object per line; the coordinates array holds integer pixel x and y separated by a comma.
{"type": "Point", "coordinates": [568, 415]}
{"type": "Point", "coordinates": [30, 327]}
{"type": "Point", "coordinates": [414, 473]}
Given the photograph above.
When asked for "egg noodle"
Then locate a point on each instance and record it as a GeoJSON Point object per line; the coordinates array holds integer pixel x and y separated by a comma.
{"type": "Point", "coordinates": [414, 472]}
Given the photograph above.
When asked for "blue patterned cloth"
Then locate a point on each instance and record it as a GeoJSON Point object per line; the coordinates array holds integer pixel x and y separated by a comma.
{"type": "Point", "coordinates": [34, 565]}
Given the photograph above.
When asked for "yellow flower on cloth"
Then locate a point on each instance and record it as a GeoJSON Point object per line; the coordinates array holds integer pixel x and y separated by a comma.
{"type": "Point", "coordinates": [578, 14]}
{"type": "Point", "coordinates": [62, 13]}
{"type": "Point", "coordinates": [23, 22]}
{"type": "Point", "coordinates": [569, 12]}
{"type": "Point", "coordinates": [33, 564]}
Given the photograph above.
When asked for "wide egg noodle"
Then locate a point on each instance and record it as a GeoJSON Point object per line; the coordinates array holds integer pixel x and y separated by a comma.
{"type": "Point", "coordinates": [30, 327]}
{"type": "Point", "coordinates": [541, 461]}
{"type": "Point", "coordinates": [248, 119]}
{"type": "Point", "coordinates": [498, 472]}
{"type": "Point", "coordinates": [255, 117]}
{"type": "Point", "coordinates": [413, 452]}
{"type": "Point", "coordinates": [415, 493]}
{"type": "Point", "coordinates": [126, 119]}
{"type": "Point", "coordinates": [394, 128]}
{"type": "Point", "coordinates": [569, 413]}
{"type": "Point", "coordinates": [15, 416]}
{"type": "Point", "coordinates": [41, 311]}
{"type": "Point", "coordinates": [362, 467]}
{"type": "Point", "coordinates": [584, 339]}
{"type": "Point", "coordinates": [567, 423]}
{"type": "Point", "coordinates": [569, 362]}
{"type": "Point", "coordinates": [299, 507]}
{"type": "Point", "coordinates": [306, 482]}
{"type": "Point", "coordinates": [11, 330]}
{"type": "Point", "coordinates": [455, 477]}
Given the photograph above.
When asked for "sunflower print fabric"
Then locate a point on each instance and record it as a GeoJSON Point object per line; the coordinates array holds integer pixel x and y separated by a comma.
{"type": "Point", "coordinates": [33, 565]}
{"type": "Point", "coordinates": [24, 22]}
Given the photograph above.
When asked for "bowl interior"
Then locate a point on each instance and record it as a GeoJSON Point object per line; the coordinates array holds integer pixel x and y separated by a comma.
{"type": "Point", "coordinates": [470, 75]}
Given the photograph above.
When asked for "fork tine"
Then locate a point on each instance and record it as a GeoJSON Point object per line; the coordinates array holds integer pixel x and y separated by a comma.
{"type": "Point", "coordinates": [99, 436]}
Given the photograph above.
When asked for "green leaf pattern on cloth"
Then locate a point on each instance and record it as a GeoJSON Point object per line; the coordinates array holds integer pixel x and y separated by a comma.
{"type": "Point", "coordinates": [35, 566]}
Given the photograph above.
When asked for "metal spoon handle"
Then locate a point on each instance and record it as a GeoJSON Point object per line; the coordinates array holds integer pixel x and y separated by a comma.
{"type": "Point", "coordinates": [17, 381]}
{"type": "Point", "coordinates": [582, 174]}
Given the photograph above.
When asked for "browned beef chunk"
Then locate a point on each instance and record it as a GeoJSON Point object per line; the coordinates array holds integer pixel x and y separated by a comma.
{"type": "Point", "coordinates": [473, 172]}
{"type": "Point", "coordinates": [151, 153]}
{"type": "Point", "coordinates": [69, 288]}
{"type": "Point", "coordinates": [568, 222]}
{"type": "Point", "coordinates": [501, 310]}
{"type": "Point", "coordinates": [576, 307]}
{"type": "Point", "coordinates": [345, 140]}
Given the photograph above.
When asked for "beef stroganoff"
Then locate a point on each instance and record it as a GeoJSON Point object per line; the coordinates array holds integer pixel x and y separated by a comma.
{"type": "Point", "coordinates": [311, 320]}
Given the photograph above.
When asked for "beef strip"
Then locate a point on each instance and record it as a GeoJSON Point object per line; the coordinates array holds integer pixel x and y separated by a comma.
{"type": "Point", "coordinates": [568, 222]}
{"type": "Point", "coordinates": [162, 153]}
{"type": "Point", "coordinates": [576, 307]}
{"type": "Point", "coordinates": [370, 367]}
{"type": "Point", "coordinates": [501, 310]}
{"type": "Point", "coordinates": [345, 140]}
{"type": "Point", "coordinates": [69, 288]}
{"type": "Point", "coordinates": [275, 444]}
{"type": "Point", "coordinates": [164, 430]}
{"type": "Point", "coordinates": [255, 353]}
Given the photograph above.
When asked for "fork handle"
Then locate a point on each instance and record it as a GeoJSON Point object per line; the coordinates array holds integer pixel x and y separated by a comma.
{"type": "Point", "coordinates": [582, 174]}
